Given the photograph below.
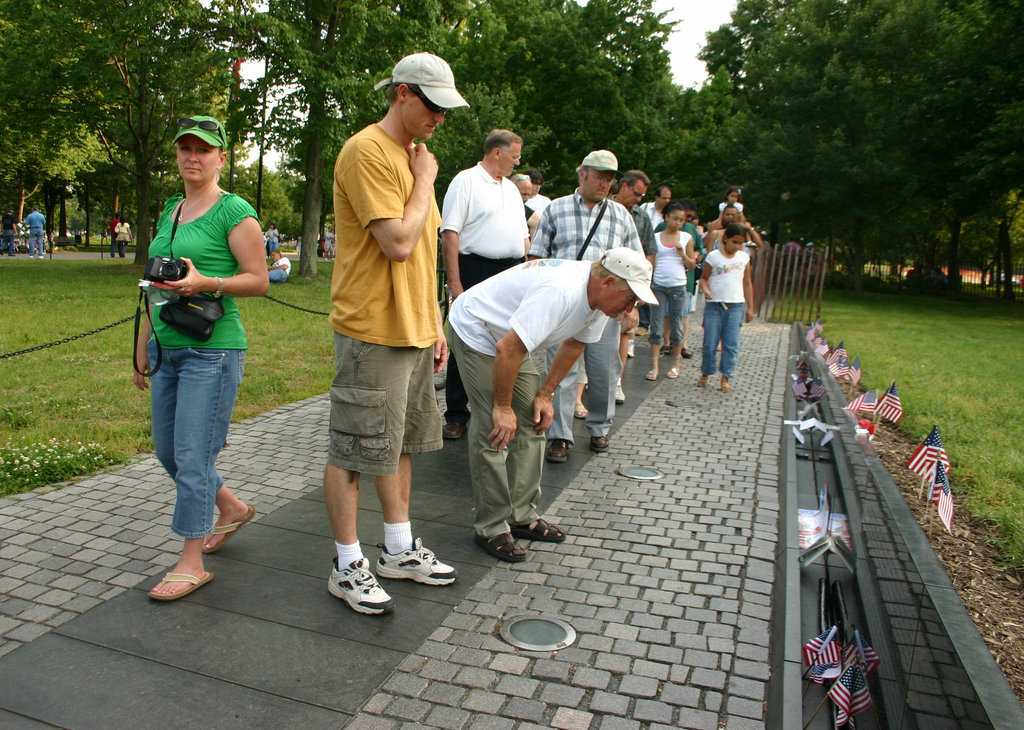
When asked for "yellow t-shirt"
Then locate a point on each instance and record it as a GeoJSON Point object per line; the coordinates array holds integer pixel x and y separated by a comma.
{"type": "Point", "coordinates": [374, 298]}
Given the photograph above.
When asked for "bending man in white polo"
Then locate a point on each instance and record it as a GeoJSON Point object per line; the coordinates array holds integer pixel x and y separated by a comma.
{"type": "Point", "coordinates": [494, 326]}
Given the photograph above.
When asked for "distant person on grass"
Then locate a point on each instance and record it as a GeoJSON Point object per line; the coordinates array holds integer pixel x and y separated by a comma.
{"type": "Point", "coordinates": [279, 267]}
{"type": "Point", "coordinates": [36, 223]}
{"type": "Point", "coordinates": [217, 234]}
{"type": "Point", "coordinates": [8, 233]}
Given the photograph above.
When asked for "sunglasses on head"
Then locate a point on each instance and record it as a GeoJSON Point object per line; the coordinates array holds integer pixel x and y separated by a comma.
{"type": "Point", "coordinates": [208, 124]}
{"type": "Point", "coordinates": [431, 106]}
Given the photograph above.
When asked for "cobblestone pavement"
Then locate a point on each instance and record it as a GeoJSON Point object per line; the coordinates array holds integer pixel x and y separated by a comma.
{"type": "Point", "coordinates": [65, 550]}
{"type": "Point", "coordinates": [667, 583]}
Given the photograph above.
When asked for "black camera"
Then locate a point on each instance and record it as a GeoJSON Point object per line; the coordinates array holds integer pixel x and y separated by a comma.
{"type": "Point", "coordinates": [164, 269]}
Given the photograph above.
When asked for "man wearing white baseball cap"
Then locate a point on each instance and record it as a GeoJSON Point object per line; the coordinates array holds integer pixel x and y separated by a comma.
{"type": "Point", "coordinates": [388, 339]}
{"type": "Point", "coordinates": [494, 326]}
{"type": "Point", "coordinates": [584, 226]}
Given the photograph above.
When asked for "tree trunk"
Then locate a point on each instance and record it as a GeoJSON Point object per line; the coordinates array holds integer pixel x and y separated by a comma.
{"type": "Point", "coordinates": [953, 259]}
{"type": "Point", "coordinates": [143, 192]}
{"type": "Point", "coordinates": [313, 200]}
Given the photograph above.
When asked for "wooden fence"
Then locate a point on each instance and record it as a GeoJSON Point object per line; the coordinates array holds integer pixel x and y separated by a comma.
{"type": "Point", "coordinates": [788, 283]}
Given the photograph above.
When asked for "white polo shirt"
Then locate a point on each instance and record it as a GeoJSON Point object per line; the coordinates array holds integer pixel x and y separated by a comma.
{"type": "Point", "coordinates": [544, 301]}
{"type": "Point", "coordinates": [486, 213]}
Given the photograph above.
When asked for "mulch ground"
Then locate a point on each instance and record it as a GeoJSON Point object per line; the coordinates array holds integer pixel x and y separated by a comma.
{"type": "Point", "coordinates": [989, 588]}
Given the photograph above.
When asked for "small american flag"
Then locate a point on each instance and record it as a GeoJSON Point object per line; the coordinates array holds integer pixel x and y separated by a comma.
{"type": "Point", "coordinates": [822, 649]}
{"type": "Point", "coordinates": [889, 405]}
{"type": "Point", "coordinates": [822, 347]}
{"type": "Point", "coordinates": [855, 370]}
{"type": "Point", "coordinates": [944, 496]}
{"type": "Point", "coordinates": [837, 353]}
{"type": "Point", "coordinates": [865, 402]}
{"type": "Point", "coordinates": [924, 458]}
{"type": "Point", "coordinates": [869, 659]}
{"type": "Point", "coordinates": [850, 693]}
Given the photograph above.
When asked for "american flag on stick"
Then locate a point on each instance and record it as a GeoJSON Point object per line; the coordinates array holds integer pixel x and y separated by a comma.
{"type": "Point", "coordinates": [867, 656]}
{"type": "Point", "coordinates": [850, 693]}
{"type": "Point", "coordinates": [889, 405]}
{"type": "Point", "coordinates": [943, 495]}
{"type": "Point", "coordinates": [821, 348]}
{"type": "Point", "coordinates": [822, 649]}
{"type": "Point", "coordinates": [922, 461]}
{"type": "Point", "coordinates": [865, 402]}
{"type": "Point", "coordinates": [855, 370]}
{"type": "Point", "coordinates": [838, 352]}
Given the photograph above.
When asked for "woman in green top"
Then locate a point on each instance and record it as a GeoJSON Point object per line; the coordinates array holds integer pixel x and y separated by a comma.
{"type": "Point", "coordinates": [219, 238]}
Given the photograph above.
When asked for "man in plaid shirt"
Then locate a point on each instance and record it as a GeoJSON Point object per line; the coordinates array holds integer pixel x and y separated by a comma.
{"type": "Point", "coordinates": [563, 232]}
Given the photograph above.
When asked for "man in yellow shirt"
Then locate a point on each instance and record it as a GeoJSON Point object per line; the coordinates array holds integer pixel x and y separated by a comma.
{"type": "Point", "coordinates": [388, 340]}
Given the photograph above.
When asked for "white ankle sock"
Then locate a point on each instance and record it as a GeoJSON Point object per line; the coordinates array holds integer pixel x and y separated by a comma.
{"type": "Point", "coordinates": [348, 554]}
{"type": "Point", "coordinates": [397, 537]}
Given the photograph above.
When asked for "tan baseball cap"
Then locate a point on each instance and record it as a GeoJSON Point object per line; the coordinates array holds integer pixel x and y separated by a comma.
{"type": "Point", "coordinates": [602, 160]}
{"type": "Point", "coordinates": [431, 74]}
{"type": "Point", "coordinates": [634, 267]}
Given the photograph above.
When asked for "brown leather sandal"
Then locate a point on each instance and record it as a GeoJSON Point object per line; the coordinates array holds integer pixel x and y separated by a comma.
{"type": "Point", "coordinates": [544, 531]}
{"type": "Point", "coordinates": [503, 547]}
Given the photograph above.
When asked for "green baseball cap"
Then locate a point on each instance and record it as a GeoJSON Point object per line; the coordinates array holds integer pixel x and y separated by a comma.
{"type": "Point", "coordinates": [207, 129]}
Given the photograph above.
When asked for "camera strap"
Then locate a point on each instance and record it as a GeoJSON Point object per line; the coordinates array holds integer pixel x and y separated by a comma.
{"type": "Point", "coordinates": [144, 305]}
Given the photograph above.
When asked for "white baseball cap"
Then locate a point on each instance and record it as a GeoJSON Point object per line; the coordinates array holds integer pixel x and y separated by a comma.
{"type": "Point", "coordinates": [634, 267]}
{"type": "Point", "coordinates": [602, 160]}
{"type": "Point", "coordinates": [431, 74]}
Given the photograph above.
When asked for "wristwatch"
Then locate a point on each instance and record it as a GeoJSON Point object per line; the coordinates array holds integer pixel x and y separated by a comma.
{"type": "Point", "coordinates": [220, 288]}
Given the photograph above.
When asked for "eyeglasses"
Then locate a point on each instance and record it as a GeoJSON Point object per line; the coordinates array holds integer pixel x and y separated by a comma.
{"type": "Point", "coordinates": [431, 106]}
{"type": "Point", "coordinates": [208, 124]}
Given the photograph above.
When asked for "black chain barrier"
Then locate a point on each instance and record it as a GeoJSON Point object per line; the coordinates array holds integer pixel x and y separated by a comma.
{"type": "Point", "coordinates": [130, 317]}
{"type": "Point", "coordinates": [294, 306]}
{"type": "Point", "coordinates": [6, 355]}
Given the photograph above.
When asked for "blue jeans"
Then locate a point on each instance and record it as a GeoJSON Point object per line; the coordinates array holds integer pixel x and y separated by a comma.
{"type": "Point", "coordinates": [671, 301]}
{"type": "Point", "coordinates": [192, 396]}
{"type": "Point", "coordinates": [278, 276]}
{"type": "Point", "coordinates": [721, 324]}
{"type": "Point", "coordinates": [36, 240]}
{"type": "Point", "coordinates": [7, 243]}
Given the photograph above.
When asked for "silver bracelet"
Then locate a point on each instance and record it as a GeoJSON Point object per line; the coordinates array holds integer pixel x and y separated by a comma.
{"type": "Point", "coordinates": [220, 288]}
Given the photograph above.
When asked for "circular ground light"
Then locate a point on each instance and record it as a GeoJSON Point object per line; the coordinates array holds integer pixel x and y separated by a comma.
{"type": "Point", "coordinates": [538, 633]}
{"type": "Point", "coordinates": [640, 473]}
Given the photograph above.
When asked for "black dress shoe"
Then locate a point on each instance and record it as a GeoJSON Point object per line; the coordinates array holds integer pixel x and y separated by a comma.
{"type": "Point", "coordinates": [599, 443]}
{"type": "Point", "coordinates": [453, 430]}
{"type": "Point", "coordinates": [558, 451]}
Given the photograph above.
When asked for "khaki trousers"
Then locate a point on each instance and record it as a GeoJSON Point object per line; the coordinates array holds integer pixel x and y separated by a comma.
{"type": "Point", "coordinates": [506, 484]}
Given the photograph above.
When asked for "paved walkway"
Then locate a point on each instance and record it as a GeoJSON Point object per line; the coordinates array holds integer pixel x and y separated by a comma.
{"type": "Point", "coordinates": [667, 584]}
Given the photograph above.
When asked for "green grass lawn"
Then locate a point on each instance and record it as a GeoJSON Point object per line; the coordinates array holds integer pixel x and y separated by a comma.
{"type": "Point", "coordinates": [957, 364]}
{"type": "Point", "coordinates": [80, 394]}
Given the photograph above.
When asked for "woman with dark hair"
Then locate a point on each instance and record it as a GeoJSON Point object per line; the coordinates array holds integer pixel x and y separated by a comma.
{"type": "Point", "coordinates": [218, 237]}
{"type": "Point", "coordinates": [728, 303]}
{"type": "Point", "coordinates": [674, 257]}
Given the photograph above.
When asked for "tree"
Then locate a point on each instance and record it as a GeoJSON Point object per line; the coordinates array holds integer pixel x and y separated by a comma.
{"type": "Point", "coordinates": [128, 70]}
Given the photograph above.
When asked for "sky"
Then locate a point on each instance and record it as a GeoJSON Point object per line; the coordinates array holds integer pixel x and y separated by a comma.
{"type": "Point", "coordinates": [696, 17]}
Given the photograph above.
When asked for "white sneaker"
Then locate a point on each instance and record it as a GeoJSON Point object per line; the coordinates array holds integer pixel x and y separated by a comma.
{"type": "Point", "coordinates": [620, 397]}
{"type": "Point", "coordinates": [357, 587]}
{"type": "Point", "coordinates": [418, 564]}
{"type": "Point", "coordinates": [631, 352]}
